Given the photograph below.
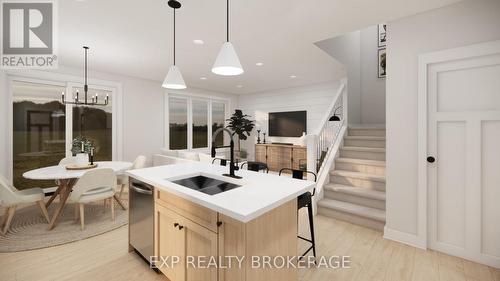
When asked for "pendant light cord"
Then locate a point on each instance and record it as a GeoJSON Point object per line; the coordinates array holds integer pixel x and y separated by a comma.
{"type": "Point", "coordinates": [85, 86]}
{"type": "Point", "coordinates": [174, 36]}
{"type": "Point", "coordinates": [227, 20]}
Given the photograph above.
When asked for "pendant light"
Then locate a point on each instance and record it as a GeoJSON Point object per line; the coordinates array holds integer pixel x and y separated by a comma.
{"type": "Point", "coordinates": [94, 100]}
{"type": "Point", "coordinates": [227, 62]}
{"type": "Point", "coordinates": [174, 79]}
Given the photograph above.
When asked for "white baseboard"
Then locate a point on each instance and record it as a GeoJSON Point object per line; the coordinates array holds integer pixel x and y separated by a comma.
{"type": "Point", "coordinates": [405, 238]}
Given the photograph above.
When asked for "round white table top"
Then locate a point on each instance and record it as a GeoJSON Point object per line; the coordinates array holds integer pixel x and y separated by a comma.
{"type": "Point", "coordinates": [60, 172]}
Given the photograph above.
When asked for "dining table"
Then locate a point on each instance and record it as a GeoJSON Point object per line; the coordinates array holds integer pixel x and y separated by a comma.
{"type": "Point", "coordinates": [66, 179]}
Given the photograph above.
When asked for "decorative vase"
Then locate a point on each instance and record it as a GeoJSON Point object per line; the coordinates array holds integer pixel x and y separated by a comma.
{"type": "Point", "coordinates": [82, 159]}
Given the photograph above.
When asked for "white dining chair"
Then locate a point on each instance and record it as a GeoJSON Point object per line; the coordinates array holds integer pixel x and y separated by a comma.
{"type": "Point", "coordinates": [122, 180]}
{"type": "Point", "coordinates": [94, 185]}
{"type": "Point", "coordinates": [67, 160]}
{"type": "Point", "coordinates": [63, 162]}
{"type": "Point", "coordinates": [10, 198]}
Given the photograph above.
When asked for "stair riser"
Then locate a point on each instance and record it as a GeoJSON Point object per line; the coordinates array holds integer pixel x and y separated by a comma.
{"type": "Point", "coordinates": [366, 222]}
{"type": "Point", "coordinates": [367, 132]}
{"type": "Point", "coordinates": [358, 182]}
{"type": "Point", "coordinates": [369, 155]}
{"type": "Point", "coordinates": [365, 143]}
{"type": "Point", "coordinates": [363, 168]}
{"type": "Point", "coordinates": [358, 200]}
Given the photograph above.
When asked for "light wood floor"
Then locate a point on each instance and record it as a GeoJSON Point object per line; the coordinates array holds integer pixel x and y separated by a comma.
{"type": "Point", "coordinates": [105, 257]}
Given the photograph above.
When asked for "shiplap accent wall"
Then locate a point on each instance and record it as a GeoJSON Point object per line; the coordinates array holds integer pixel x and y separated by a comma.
{"type": "Point", "coordinates": [315, 99]}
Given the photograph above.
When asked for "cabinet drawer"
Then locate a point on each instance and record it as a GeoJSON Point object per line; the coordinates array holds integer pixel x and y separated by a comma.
{"type": "Point", "coordinates": [198, 214]}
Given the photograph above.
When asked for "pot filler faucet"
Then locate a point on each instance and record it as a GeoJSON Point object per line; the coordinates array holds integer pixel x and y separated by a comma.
{"type": "Point", "coordinates": [232, 166]}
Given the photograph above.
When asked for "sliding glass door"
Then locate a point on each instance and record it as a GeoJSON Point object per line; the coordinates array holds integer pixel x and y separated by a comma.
{"type": "Point", "coordinates": [38, 130]}
{"type": "Point", "coordinates": [94, 123]}
{"type": "Point", "coordinates": [43, 129]}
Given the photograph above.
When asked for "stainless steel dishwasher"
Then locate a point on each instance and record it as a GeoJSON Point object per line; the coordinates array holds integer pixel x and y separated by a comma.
{"type": "Point", "coordinates": [141, 219]}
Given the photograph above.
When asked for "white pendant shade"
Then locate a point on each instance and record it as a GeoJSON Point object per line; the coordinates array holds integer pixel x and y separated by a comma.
{"type": "Point", "coordinates": [174, 79]}
{"type": "Point", "coordinates": [227, 62]}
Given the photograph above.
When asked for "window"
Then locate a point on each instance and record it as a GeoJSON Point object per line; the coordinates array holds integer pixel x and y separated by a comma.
{"type": "Point", "coordinates": [200, 123]}
{"type": "Point", "coordinates": [218, 120]}
{"type": "Point", "coordinates": [189, 119]}
{"type": "Point", "coordinates": [178, 121]}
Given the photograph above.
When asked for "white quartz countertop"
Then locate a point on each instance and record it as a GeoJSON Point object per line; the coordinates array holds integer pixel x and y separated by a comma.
{"type": "Point", "coordinates": [258, 192]}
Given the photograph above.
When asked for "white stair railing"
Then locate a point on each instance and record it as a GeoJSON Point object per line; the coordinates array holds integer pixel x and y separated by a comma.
{"type": "Point", "coordinates": [324, 143]}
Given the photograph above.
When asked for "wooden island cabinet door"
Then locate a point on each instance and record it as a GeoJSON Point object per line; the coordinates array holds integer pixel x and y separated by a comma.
{"type": "Point", "coordinates": [170, 243]}
{"type": "Point", "coordinates": [201, 245]}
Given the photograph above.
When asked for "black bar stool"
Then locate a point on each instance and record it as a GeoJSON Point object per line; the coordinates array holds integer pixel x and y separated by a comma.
{"type": "Point", "coordinates": [255, 166]}
{"type": "Point", "coordinates": [305, 200]}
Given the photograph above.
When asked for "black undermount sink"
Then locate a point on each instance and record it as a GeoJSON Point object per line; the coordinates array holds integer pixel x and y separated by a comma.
{"type": "Point", "coordinates": [206, 185]}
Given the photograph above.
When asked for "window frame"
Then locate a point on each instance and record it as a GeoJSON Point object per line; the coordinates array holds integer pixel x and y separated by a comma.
{"type": "Point", "coordinates": [190, 98]}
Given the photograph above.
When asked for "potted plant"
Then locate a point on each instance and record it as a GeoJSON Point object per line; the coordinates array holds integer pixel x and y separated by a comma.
{"type": "Point", "coordinates": [241, 126]}
{"type": "Point", "coordinates": [80, 148]}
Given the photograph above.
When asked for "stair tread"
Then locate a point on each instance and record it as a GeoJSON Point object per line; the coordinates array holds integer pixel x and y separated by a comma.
{"type": "Point", "coordinates": [364, 138]}
{"type": "Point", "coordinates": [363, 211]}
{"type": "Point", "coordinates": [360, 161]}
{"type": "Point", "coordinates": [344, 173]}
{"type": "Point", "coordinates": [357, 191]}
{"type": "Point", "coordinates": [364, 149]}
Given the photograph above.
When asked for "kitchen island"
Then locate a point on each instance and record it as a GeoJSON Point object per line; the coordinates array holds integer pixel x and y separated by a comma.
{"type": "Point", "coordinates": [211, 227]}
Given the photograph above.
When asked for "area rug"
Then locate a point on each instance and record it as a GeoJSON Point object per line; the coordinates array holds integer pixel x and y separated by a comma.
{"type": "Point", "coordinates": [28, 229]}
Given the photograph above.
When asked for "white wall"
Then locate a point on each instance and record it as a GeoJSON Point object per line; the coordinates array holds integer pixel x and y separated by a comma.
{"type": "Point", "coordinates": [143, 113]}
{"type": "Point", "coordinates": [372, 87]}
{"type": "Point", "coordinates": [315, 99]}
{"type": "Point", "coordinates": [366, 92]}
{"type": "Point", "coordinates": [461, 24]}
{"type": "Point", "coordinates": [346, 49]}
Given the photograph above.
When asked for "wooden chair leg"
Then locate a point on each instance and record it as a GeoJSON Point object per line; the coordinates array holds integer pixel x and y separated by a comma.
{"type": "Point", "coordinates": [76, 216]}
{"type": "Point", "coordinates": [119, 202]}
{"type": "Point", "coordinates": [121, 191]}
{"type": "Point", "coordinates": [82, 216]}
{"type": "Point", "coordinates": [112, 203]}
{"type": "Point", "coordinates": [10, 215]}
{"type": "Point", "coordinates": [5, 215]}
{"type": "Point", "coordinates": [43, 209]}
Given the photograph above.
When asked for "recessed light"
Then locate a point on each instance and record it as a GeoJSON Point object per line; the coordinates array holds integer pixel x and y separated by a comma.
{"type": "Point", "coordinates": [203, 78]}
{"type": "Point", "coordinates": [198, 42]}
{"type": "Point", "coordinates": [293, 76]}
{"type": "Point", "coordinates": [239, 86]}
{"type": "Point", "coordinates": [259, 64]}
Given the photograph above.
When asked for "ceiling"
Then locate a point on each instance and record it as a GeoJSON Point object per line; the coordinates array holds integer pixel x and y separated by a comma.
{"type": "Point", "coordinates": [134, 38]}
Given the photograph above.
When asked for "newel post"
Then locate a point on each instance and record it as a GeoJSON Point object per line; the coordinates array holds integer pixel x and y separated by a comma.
{"type": "Point", "coordinates": [312, 154]}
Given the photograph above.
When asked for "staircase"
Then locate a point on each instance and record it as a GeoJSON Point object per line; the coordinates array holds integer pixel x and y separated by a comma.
{"type": "Point", "coordinates": [356, 190]}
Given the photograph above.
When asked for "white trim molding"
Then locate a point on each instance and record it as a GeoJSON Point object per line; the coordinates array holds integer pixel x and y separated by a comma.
{"type": "Point", "coordinates": [405, 238]}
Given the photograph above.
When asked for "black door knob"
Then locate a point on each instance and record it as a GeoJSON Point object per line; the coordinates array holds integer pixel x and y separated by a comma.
{"type": "Point", "coordinates": [431, 159]}
{"type": "Point", "coordinates": [181, 227]}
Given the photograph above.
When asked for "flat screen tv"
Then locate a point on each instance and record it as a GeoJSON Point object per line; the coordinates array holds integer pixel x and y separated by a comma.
{"type": "Point", "coordinates": [287, 124]}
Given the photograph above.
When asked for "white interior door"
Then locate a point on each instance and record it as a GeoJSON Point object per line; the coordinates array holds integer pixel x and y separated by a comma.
{"type": "Point", "coordinates": [463, 131]}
